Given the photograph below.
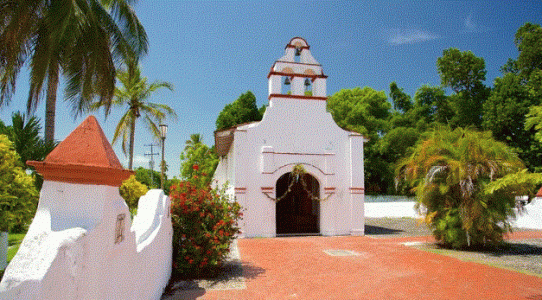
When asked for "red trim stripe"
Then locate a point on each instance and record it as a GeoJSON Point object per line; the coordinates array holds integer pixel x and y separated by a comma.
{"type": "Point", "coordinates": [301, 97]}
{"type": "Point", "coordinates": [313, 77]}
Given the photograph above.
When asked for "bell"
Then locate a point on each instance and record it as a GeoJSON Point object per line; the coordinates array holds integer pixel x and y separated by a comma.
{"type": "Point", "coordinates": [287, 81]}
{"type": "Point", "coordinates": [297, 51]}
{"type": "Point", "coordinates": [307, 82]}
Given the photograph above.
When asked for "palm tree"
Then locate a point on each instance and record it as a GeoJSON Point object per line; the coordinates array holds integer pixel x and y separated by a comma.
{"type": "Point", "coordinates": [80, 40]}
{"type": "Point", "coordinates": [195, 139]}
{"type": "Point", "coordinates": [24, 134]}
{"type": "Point", "coordinates": [134, 94]}
{"type": "Point", "coordinates": [450, 171]}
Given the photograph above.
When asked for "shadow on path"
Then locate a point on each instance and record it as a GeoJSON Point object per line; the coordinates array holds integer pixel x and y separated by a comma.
{"type": "Point", "coordinates": [374, 230]}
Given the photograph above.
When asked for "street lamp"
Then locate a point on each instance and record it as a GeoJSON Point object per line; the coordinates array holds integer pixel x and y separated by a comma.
{"type": "Point", "coordinates": [163, 132]}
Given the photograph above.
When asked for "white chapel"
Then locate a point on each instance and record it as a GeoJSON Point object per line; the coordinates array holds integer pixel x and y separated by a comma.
{"type": "Point", "coordinates": [295, 171]}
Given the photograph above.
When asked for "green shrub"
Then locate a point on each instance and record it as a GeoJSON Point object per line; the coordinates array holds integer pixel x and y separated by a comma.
{"type": "Point", "coordinates": [18, 195]}
{"type": "Point", "coordinates": [450, 171]}
{"type": "Point", "coordinates": [205, 223]}
{"type": "Point", "coordinates": [131, 190]}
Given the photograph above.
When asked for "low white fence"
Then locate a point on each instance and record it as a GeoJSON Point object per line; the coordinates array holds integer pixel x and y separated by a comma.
{"type": "Point", "coordinates": [401, 207]}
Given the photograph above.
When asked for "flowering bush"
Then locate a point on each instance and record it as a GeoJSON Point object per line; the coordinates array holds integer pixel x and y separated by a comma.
{"type": "Point", "coordinates": [204, 225]}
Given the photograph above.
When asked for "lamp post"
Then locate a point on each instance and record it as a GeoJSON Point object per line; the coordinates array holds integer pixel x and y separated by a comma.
{"type": "Point", "coordinates": [163, 132]}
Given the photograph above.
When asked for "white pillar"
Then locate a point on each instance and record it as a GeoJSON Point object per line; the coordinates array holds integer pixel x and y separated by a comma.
{"type": "Point", "coordinates": [275, 84]}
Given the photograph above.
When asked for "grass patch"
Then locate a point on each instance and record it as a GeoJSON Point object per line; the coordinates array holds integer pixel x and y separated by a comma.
{"type": "Point", "coordinates": [14, 242]}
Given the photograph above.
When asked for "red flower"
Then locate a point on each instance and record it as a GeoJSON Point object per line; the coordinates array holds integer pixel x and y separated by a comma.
{"type": "Point", "coordinates": [195, 167]}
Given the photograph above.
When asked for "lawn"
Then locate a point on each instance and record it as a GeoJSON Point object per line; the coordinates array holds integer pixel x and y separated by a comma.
{"type": "Point", "coordinates": [14, 241]}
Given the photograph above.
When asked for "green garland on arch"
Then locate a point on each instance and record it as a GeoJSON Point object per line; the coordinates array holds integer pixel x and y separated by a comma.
{"type": "Point", "coordinates": [297, 172]}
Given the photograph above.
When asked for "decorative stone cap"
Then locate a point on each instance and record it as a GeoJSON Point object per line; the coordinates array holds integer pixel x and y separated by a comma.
{"type": "Point", "coordinates": [84, 157]}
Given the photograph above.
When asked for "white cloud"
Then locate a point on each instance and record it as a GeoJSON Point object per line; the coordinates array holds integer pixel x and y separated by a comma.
{"type": "Point", "coordinates": [410, 36]}
{"type": "Point", "coordinates": [472, 26]}
{"type": "Point", "coordinates": [469, 23]}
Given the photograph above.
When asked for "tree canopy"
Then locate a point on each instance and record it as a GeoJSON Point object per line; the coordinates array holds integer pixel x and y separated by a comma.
{"type": "Point", "coordinates": [516, 94]}
{"type": "Point", "coordinates": [464, 73]}
{"type": "Point", "coordinates": [401, 101]}
{"type": "Point", "coordinates": [363, 110]}
{"type": "Point", "coordinates": [242, 110]}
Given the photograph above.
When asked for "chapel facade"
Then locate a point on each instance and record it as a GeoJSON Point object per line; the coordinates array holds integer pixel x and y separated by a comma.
{"type": "Point", "coordinates": [295, 171]}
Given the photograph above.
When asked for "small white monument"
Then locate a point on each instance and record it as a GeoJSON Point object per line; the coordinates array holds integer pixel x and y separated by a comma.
{"type": "Point", "coordinates": [296, 171]}
{"type": "Point", "coordinates": [81, 244]}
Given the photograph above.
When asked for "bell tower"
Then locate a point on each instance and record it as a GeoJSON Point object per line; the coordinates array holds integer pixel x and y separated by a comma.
{"type": "Point", "coordinates": [297, 75]}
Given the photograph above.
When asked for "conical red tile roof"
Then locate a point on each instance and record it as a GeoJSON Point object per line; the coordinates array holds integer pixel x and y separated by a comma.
{"type": "Point", "coordinates": [539, 194]}
{"type": "Point", "coordinates": [85, 156]}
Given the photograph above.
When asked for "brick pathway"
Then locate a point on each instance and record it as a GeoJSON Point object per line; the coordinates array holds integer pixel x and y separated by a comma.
{"type": "Point", "coordinates": [369, 268]}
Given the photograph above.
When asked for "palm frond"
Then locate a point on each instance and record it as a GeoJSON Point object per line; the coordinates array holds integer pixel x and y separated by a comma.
{"type": "Point", "coordinates": [123, 129]}
{"type": "Point", "coordinates": [19, 21]}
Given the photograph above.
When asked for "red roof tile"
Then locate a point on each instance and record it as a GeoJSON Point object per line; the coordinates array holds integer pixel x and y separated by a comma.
{"type": "Point", "coordinates": [85, 156]}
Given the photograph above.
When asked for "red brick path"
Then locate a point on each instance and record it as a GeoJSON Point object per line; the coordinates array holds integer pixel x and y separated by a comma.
{"type": "Point", "coordinates": [298, 268]}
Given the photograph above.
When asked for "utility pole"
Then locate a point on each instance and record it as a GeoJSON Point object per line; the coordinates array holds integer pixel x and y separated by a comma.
{"type": "Point", "coordinates": [151, 161]}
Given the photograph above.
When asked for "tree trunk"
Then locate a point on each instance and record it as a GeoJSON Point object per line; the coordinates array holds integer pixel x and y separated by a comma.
{"type": "Point", "coordinates": [50, 105]}
{"type": "Point", "coordinates": [3, 249]}
{"type": "Point", "coordinates": [132, 137]}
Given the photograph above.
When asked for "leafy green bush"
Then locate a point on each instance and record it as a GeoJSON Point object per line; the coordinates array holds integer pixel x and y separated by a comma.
{"type": "Point", "coordinates": [451, 171]}
{"type": "Point", "coordinates": [131, 190]}
{"type": "Point", "coordinates": [18, 195]}
{"type": "Point", "coordinates": [205, 223]}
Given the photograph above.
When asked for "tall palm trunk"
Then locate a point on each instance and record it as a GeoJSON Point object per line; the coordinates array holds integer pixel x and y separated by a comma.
{"type": "Point", "coordinates": [50, 104]}
{"type": "Point", "coordinates": [132, 138]}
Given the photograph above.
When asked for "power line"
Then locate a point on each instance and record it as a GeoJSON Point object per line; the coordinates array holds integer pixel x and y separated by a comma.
{"type": "Point", "coordinates": [151, 161]}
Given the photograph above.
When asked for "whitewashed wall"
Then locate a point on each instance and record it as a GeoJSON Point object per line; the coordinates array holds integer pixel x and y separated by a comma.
{"type": "Point", "coordinates": [296, 132]}
{"type": "Point", "coordinates": [529, 218]}
{"type": "Point", "coordinates": [71, 250]}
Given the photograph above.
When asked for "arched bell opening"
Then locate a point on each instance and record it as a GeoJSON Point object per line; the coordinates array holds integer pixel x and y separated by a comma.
{"type": "Point", "coordinates": [286, 87]}
{"type": "Point", "coordinates": [308, 87]}
{"type": "Point", "coordinates": [298, 208]}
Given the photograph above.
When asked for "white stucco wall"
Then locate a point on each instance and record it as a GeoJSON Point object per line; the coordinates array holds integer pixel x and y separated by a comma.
{"type": "Point", "coordinates": [296, 129]}
{"type": "Point", "coordinates": [391, 209]}
{"type": "Point", "coordinates": [296, 132]}
{"type": "Point", "coordinates": [530, 217]}
{"type": "Point", "coordinates": [71, 250]}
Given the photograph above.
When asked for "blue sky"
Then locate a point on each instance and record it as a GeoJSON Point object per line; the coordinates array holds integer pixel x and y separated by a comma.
{"type": "Point", "coordinates": [213, 51]}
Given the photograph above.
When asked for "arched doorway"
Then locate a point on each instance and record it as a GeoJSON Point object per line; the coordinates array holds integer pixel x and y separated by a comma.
{"type": "Point", "coordinates": [297, 212]}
